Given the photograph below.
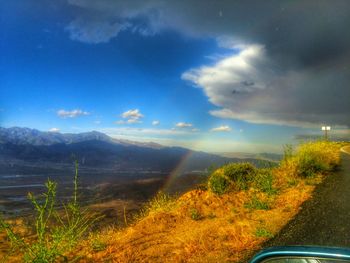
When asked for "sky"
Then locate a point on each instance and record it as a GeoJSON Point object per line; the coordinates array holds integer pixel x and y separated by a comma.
{"type": "Point", "coordinates": [217, 76]}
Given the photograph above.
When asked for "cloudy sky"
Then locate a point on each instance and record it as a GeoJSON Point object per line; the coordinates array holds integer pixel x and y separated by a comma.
{"type": "Point", "coordinates": [208, 75]}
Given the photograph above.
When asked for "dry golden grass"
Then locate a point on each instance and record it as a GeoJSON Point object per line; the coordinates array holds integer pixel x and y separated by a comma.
{"type": "Point", "coordinates": [6, 253]}
{"type": "Point", "coordinates": [200, 226]}
{"type": "Point", "coordinates": [224, 231]}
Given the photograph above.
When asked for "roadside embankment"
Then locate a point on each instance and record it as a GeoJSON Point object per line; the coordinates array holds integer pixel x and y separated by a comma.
{"type": "Point", "coordinates": [234, 215]}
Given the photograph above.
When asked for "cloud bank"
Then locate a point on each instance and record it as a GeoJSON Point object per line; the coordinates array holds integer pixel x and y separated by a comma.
{"type": "Point", "coordinates": [288, 63]}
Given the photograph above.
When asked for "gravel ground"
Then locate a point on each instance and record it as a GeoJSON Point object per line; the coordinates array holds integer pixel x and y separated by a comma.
{"type": "Point", "coordinates": [324, 219]}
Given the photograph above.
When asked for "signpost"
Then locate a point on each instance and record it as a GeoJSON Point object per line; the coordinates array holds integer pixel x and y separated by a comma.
{"type": "Point", "coordinates": [326, 129]}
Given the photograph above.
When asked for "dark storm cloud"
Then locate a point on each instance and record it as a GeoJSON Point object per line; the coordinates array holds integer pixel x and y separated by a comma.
{"type": "Point", "coordinates": [297, 69]}
{"type": "Point", "coordinates": [284, 27]}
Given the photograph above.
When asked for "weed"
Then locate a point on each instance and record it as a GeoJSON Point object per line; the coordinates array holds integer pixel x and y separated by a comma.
{"type": "Point", "coordinates": [195, 215]}
{"type": "Point", "coordinates": [257, 204]}
{"type": "Point", "coordinates": [161, 202]}
{"type": "Point", "coordinates": [316, 157]}
{"type": "Point", "coordinates": [98, 245]}
{"type": "Point", "coordinates": [309, 165]}
{"type": "Point", "coordinates": [56, 235]}
{"type": "Point", "coordinates": [292, 182]}
{"type": "Point", "coordinates": [234, 210]}
{"type": "Point", "coordinates": [263, 181]}
{"type": "Point", "coordinates": [211, 215]}
{"type": "Point", "coordinates": [263, 232]}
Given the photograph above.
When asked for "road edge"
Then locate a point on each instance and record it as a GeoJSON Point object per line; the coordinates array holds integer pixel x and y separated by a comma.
{"type": "Point", "coordinates": [347, 151]}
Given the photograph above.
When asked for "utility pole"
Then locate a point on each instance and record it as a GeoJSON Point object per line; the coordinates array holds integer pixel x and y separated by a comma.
{"type": "Point", "coordinates": [326, 129]}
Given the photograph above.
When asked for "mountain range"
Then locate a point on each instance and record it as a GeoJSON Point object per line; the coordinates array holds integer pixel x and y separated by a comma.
{"type": "Point", "coordinates": [98, 150]}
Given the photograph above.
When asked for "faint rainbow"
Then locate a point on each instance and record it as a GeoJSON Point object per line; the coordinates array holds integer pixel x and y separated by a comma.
{"type": "Point", "coordinates": [176, 172]}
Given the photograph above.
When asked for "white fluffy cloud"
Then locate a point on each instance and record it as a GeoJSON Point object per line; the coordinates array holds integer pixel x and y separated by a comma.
{"type": "Point", "coordinates": [155, 123]}
{"type": "Point", "coordinates": [132, 114]}
{"type": "Point", "coordinates": [131, 117]}
{"type": "Point", "coordinates": [183, 125]}
{"type": "Point", "coordinates": [71, 114]}
{"type": "Point", "coordinates": [249, 86]}
{"type": "Point", "coordinates": [54, 130]}
{"type": "Point", "coordinates": [223, 128]}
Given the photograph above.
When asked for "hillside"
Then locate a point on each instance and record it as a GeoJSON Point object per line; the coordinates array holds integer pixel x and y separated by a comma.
{"type": "Point", "coordinates": [239, 209]}
{"type": "Point", "coordinates": [208, 226]}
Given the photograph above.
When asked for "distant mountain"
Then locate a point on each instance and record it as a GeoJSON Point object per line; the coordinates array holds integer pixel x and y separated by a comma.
{"type": "Point", "coordinates": [20, 136]}
{"type": "Point", "coordinates": [95, 149]}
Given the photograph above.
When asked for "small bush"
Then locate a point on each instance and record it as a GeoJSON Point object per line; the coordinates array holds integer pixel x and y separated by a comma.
{"type": "Point", "coordinates": [309, 165]}
{"type": "Point", "coordinates": [240, 173]}
{"type": "Point", "coordinates": [233, 175]}
{"type": "Point", "coordinates": [262, 232]}
{"type": "Point", "coordinates": [218, 183]}
{"type": "Point", "coordinates": [195, 215]}
{"type": "Point", "coordinates": [263, 180]}
{"type": "Point", "coordinates": [98, 245]}
{"type": "Point", "coordinates": [311, 158]}
{"type": "Point", "coordinates": [316, 157]}
{"type": "Point", "coordinates": [257, 204]}
{"type": "Point", "coordinates": [161, 202]}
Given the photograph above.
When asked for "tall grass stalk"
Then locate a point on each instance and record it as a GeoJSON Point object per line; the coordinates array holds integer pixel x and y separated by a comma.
{"type": "Point", "coordinates": [56, 232]}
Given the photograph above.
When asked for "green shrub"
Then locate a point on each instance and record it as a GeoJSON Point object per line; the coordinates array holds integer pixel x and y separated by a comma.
{"type": "Point", "coordinates": [195, 215]}
{"type": "Point", "coordinates": [233, 175]}
{"type": "Point", "coordinates": [262, 232]}
{"type": "Point", "coordinates": [98, 245]}
{"type": "Point", "coordinates": [240, 173]}
{"type": "Point", "coordinates": [316, 157]}
{"type": "Point", "coordinates": [309, 164]}
{"type": "Point", "coordinates": [257, 204]}
{"type": "Point", "coordinates": [263, 180]}
{"type": "Point", "coordinates": [56, 234]}
{"type": "Point", "coordinates": [218, 183]}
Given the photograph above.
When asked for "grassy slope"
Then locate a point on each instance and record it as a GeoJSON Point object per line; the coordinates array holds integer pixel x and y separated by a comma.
{"type": "Point", "coordinates": [203, 227]}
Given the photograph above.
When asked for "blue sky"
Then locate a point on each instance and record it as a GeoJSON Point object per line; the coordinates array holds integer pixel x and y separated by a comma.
{"type": "Point", "coordinates": [77, 66]}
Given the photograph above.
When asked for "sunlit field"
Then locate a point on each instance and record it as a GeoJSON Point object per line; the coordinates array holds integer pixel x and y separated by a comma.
{"type": "Point", "coordinates": [226, 219]}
